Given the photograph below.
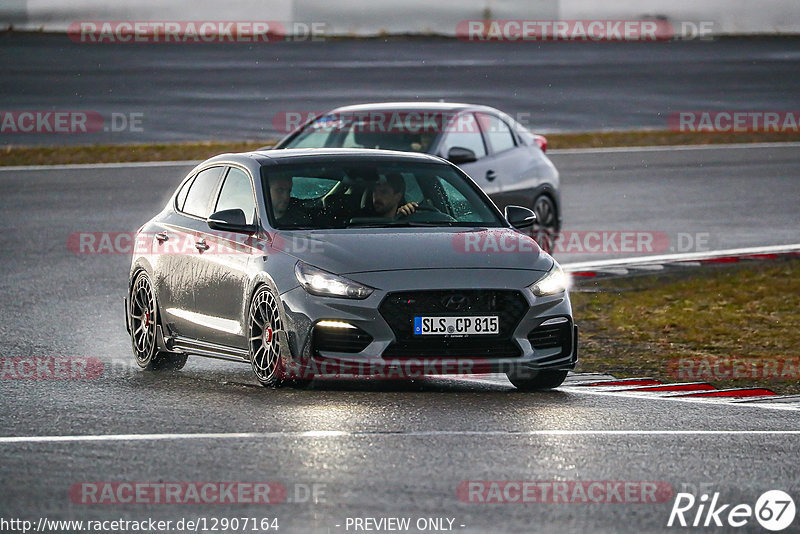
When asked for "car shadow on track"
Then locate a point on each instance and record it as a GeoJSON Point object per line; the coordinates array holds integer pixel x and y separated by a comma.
{"type": "Point", "coordinates": [217, 379]}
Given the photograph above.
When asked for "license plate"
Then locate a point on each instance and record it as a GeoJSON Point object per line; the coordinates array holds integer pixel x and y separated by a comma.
{"type": "Point", "coordinates": [456, 326]}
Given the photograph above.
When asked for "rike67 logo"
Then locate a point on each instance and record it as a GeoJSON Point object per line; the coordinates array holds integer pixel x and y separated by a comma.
{"type": "Point", "coordinates": [774, 510]}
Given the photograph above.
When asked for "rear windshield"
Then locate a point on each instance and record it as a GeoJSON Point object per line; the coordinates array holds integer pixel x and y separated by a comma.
{"type": "Point", "coordinates": [407, 131]}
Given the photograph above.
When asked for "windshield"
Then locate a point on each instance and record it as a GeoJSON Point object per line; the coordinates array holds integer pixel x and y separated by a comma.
{"type": "Point", "coordinates": [407, 131]}
{"type": "Point", "coordinates": [347, 194]}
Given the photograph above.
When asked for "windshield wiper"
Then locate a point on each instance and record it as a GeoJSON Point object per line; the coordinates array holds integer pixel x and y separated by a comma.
{"type": "Point", "coordinates": [398, 224]}
{"type": "Point", "coordinates": [430, 223]}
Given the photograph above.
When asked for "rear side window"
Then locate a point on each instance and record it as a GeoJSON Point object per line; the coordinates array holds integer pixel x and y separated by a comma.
{"type": "Point", "coordinates": [199, 195]}
{"type": "Point", "coordinates": [237, 193]}
{"type": "Point", "coordinates": [181, 198]}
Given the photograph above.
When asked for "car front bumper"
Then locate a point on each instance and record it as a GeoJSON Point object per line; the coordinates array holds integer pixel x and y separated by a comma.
{"type": "Point", "coordinates": [543, 335]}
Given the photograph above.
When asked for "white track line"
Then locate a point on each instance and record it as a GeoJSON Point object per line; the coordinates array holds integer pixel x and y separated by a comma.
{"type": "Point", "coordinates": [738, 402]}
{"type": "Point", "coordinates": [573, 386]}
{"type": "Point", "coordinates": [670, 148]}
{"type": "Point", "coordinates": [319, 434]}
{"type": "Point", "coordinates": [667, 258]}
{"type": "Point", "coordinates": [122, 165]}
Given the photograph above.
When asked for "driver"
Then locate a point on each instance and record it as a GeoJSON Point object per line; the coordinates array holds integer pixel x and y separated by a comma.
{"type": "Point", "coordinates": [387, 198]}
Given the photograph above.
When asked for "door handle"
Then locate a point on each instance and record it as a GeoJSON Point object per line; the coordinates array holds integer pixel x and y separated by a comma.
{"type": "Point", "coordinates": [162, 236]}
{"type": "Point", "coordinates": [201, 245]}
{"type": "Point", "coordinates": [490, 175]}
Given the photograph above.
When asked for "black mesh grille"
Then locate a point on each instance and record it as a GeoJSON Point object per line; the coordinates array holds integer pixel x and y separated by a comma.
{"type": "Point", "coordinates": [552, 336]}
{"type": "Point", "coordinates": [399, 310]}
{"type": "Point", "coordinates": [350, 340]}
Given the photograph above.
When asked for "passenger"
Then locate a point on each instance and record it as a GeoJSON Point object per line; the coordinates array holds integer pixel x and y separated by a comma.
{"type": "Point", "coordinates": [288, 210]}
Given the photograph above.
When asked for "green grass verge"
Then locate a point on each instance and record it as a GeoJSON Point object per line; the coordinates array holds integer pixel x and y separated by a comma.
{"type": "Point", "coordinates": [661, 138]}
{"type": "Point", "coordinates": [729, 325]}
{"type": "Point", "coordinates": [55, 155]}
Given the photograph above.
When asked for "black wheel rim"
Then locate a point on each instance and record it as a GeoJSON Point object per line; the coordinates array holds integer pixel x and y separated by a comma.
{"type": "Point", "coordinates": [143, 319]}
{"type": "Point", "coordinates": [265, 324]}
{"type": "Point", "coordinates": [545, 213]}
{"type": "Point", "coordinates": [544, 230]}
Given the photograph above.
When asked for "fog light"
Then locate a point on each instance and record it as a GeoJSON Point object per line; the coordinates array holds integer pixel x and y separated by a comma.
{"type": "Point", "coordinates": [334, 324]}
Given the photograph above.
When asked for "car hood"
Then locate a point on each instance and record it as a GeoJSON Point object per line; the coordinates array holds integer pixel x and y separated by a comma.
{"type": "Point", "coordinates": [354, 250]}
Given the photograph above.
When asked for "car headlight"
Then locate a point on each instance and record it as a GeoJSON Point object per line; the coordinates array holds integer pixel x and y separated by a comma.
{"type": "Point", "coordinates": [319, 282]}
{"type": "Point", "coordinates": [555, 281]}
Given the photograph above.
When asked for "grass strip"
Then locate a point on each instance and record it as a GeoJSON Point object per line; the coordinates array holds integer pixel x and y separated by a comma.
{"type": "Point", "coordinates": [733, 325]}
{"type": "Point", "coordinates": [57, 155]}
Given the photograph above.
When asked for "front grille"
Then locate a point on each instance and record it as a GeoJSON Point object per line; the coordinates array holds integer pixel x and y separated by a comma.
{"type": "Point", "coordinates": [349, 340]}
{"type": "Point", "coordinates": [550, 337]}
{"type": "Point", "coordinates": [399, 310]}
{"type": "Point", "coordinates": [455, 348]}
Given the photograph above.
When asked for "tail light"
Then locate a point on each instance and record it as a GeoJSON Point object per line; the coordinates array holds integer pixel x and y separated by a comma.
{"type": "Point", "coordinates": [541, 141]}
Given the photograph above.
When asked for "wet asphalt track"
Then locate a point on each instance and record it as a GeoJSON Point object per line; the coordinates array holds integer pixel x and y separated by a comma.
{"type": "Point", "coordinates": [376, 449]}
{"type": "Point", "coordinates": [236, 91]}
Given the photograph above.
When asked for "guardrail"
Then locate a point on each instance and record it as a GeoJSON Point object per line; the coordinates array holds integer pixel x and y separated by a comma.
{"type": "Point", "coordinates": [368, 18]}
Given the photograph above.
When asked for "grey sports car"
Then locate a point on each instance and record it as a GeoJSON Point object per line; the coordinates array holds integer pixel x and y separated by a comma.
{"type": "Point", "coordinates": [500, 154]}
{"type": "Point", "coordinates": [344, 262]}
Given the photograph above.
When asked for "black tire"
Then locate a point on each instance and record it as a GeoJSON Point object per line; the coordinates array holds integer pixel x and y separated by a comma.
{"type": "Point", "coordinates": [546, 228]}
{"type": "Point", "coordinates": [264, 324]}
{"type": "Point", "coordinates": [547, 379]}
{"type": "Point", "coordinates": [300, 383]}
{"type": "Point", "coordinates": [144, 318]}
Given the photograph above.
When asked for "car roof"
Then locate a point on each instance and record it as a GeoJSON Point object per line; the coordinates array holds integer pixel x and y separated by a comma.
{"type": "Point", "coordinates": [410, 106]}
{"type": "Point", "coordinates": [310, 154]}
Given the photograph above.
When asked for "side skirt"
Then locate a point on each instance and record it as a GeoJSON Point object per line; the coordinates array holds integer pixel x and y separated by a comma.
{"type": "Point", "coordinates": [207, 349]}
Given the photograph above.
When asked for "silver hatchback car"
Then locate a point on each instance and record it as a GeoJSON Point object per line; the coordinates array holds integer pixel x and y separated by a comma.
{"type": "Point", "coordinates": [503, 157]}
{"type": "Point", "coordinates": [336, 262]}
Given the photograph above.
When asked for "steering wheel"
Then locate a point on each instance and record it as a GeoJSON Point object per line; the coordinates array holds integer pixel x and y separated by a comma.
{"type": "Point", "coordinates": [432, 215]}
{"type": "Point", "coordinates": [426, 207]}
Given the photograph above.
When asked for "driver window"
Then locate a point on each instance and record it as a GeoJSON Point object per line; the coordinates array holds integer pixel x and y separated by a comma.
{"type": "Point", "coordinates": [498, 133]}
{"type": "Point", "coordinates": [462, 209]}
{"type": "Point", "coordinates": [201, 193]}
{"type": "Point", "coordinates": [464, 132]}
{"type": "Point", "coordinates": [237, 192]}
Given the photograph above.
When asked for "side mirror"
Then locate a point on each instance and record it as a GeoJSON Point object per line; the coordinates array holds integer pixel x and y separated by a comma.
{"type": "Point", "coordinates": [459, 155]}
{"type": "Point", "coordinates": [230, 220]}
{"type": "Point", "coordinates": [520, 217]}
